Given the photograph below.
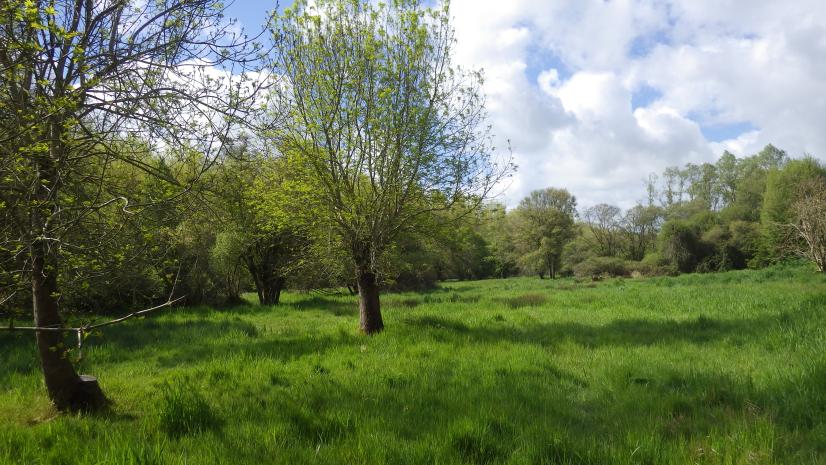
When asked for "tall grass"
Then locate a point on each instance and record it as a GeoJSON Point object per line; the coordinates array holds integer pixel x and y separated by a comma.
{"type": "Point", "coordinates": [183, 410]}
{"type": "Point", "coordinates": [701, 369]}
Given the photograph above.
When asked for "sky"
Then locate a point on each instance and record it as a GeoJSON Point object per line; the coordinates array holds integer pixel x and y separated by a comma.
{"type": "Point", "coordinates": [595, 95]}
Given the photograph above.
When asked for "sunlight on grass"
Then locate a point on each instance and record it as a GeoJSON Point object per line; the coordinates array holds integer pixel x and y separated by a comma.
{"type": "Point", "coordinates": [709, 369]}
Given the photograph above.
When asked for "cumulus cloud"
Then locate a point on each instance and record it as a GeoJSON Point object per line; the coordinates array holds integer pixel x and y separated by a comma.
{"type": "Point", "coordinates": [596, 95]}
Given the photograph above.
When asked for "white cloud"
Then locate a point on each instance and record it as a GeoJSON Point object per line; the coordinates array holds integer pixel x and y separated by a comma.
{"type": "Point", "coordinates": [561, 76]}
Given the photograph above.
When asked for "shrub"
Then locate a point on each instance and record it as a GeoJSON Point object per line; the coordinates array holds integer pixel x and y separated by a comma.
{"type": "Point", "coordinates": [654, 259]}
{"type": "Point", "coordinates": [420, 279]}
{"type": "Point", "coordinates": [601, 266]}
{"type": "Point", "coordinates": [728, 247]}
{"type": "Point", "coordinates": [651, 265]}
{"type": "Point", "coordinates": [680, 244]}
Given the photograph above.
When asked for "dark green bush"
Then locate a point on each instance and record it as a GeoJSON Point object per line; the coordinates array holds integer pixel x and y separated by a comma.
{"type": "Point", "coordinates": [601, 267]}
{"type": "Point", "coordinates": [651, 265]}
{"type": "Point", "coordinates": [680, 244]}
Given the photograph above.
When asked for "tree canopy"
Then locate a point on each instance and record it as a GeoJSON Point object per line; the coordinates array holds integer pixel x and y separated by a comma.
{"type": "Point", "coordinates": [391, 129]}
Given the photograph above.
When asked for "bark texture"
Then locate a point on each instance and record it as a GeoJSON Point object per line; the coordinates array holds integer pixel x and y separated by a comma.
{"type": "Point", "coordinates": [67, 390]}
{"type": "Point", "coordinates": [370, 321]}
{"type": "Point", "coordinates": [268, 284]}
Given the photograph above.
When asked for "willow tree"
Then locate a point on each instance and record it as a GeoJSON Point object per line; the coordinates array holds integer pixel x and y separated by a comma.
{"type": "Point", "coordinates": [544, 223]}
{"type": "Point", "coordinates": [808, 238]}
{"type": "Point", "coordinates": [392, 129]}
{"type": "Point", "coordinates": [78, 78]}
{"type": "Point", "coordinates": [272, 224]}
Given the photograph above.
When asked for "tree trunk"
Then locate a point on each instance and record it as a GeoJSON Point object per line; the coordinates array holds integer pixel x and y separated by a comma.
{"type": "Point", "coordinates": [268, 284]}
{"type": "Point", "coordinates": [269, 289]}
{"type": "Point", "coordinates": [66, 389]}
{"type": "Point", "coordinates": [370, 321]}
{"type": "Point", "coordinates": [262, 287]}
{"type": "Point", "coordinates": [273, 290]}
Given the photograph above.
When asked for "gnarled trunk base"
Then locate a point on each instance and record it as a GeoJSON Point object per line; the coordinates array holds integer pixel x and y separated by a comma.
{"type": "Point", "coordinates": [66, 389]}
{"type": "Point", "coordinates": [85, 396]}
{"type": "Point", "coordinates": [270, 291]}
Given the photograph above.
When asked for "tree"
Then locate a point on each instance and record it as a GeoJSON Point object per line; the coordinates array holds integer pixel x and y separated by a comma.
{"type": "Point", "coordinates": [284, 227]}
{"type": "Point", "coordinates": [545, 223]}
{"type": "Point", "coordinates": [782, 190]}
{"type": "Point", "coordinates": [640, 225]}
{"type": "Point", "coordinates": [391, 129]}
{"type": "Point", "coordinates": [77, 78]}
{"type": "Point", "coordinates": [463, 248]}
{"type": "Point", "coordinates": [751, 183]}
{"type": "Point", "coordinates": [728, 174]}
{"type": "Point", "coordinates": [497, 229]}
{"type": "Point", "coordinates": [702, 185]}
{"type": "Point", "coordinates": [809, 226]}
{"type": "Point", "coordinates": [680, 245]}
{"type": "Point", "coordinates": [264, 207]}
{"type": "Point", "coordinates": [604, 222]}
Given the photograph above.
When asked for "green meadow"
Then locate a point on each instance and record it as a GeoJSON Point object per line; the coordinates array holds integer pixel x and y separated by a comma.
{"type": "Point", "coordinates": [725, 368]}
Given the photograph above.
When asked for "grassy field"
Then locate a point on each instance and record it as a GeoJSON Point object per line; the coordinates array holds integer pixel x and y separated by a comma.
{"type": "Point", "coordinates": [701, 369]}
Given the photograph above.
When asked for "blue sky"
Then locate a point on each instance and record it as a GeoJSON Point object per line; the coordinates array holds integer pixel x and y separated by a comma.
{"type": "Point", "coordinates": [594, 95]}
{"type": "Point", "coordinates": [251, 14]}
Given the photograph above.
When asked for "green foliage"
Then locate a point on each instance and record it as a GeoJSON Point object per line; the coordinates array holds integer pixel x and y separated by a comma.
{"type": "Point", "coordinates": [751, 183]}
{"type": "Point", "coordinates": [781, 192]}
{"type": "Point", "coordinates": [543, 225]}
{"type": "Point", "coordinates": [653, 264]}
{"type": "Point", "coordinates": [413, 263]}
{"type": "Point", "coordinates": [640, 226]}
{"type": "Point", "coordinates": [224, 258]}
{"type": "Point", "coordinates": [496, 227]}
{"type": "Point", "coordinates": [577, 251]}
{"type": "Point", "coordinates": [397, 137]}
{"type": "Point", "coordinates": [601, 267]}
{"type": "Point", "coordinates": [729, 215]}
{"type": "Point", "coordinates": [681, 246]}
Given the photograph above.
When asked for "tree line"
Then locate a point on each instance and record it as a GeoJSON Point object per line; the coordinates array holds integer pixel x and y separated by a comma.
{"type": "Point", "coordinates": [737, 213]}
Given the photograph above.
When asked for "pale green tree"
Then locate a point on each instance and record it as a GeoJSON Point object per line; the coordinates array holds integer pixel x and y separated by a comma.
{"type": "Point", "coordinates": [605, 225]}
{"type": "Point", "coordinates": [544, 224]}
{"type": "Point", "coordinates": [391, 129]}
{"type": "Point", "coordinates": [782, 192]}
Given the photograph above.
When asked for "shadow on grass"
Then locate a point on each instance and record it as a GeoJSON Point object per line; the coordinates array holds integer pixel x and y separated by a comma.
{"type": "Point", "coordinates": [438, 323]}
{"type": "Point", "coordinates": [173, 343]}
{"type": "Point", "coordinates": [630, 332]}
{"type": "Point", "coordinates": [556, 417]}
{"type": "Point", "coordinates": [326, 304]}
{"type": "Point", "coordinates": [18, 356]}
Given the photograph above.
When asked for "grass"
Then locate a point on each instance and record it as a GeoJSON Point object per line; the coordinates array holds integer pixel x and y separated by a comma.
{"type": "Point", "coordinates": [700, 369]}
